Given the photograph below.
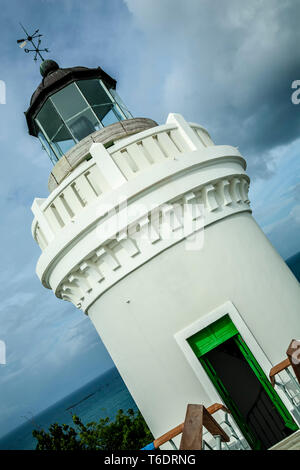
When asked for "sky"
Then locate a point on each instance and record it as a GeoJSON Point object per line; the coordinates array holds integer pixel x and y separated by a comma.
{"type": "Point", "coordinates": [225, 64]}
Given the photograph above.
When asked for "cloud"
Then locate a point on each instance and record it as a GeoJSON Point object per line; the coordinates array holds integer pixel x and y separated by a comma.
{"type": "Point", "coordinates": [19, 298]}
{"type": "Point", "coordinates": [284, 233]}
{"type": "Point", "coordinates": [227, 64]}
{"type": "Point", "coordinates": [296, 191]}
{"type": "Point", "coordinates": [295, 214]}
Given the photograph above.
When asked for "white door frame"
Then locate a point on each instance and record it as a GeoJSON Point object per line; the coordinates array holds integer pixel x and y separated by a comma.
{"type": "Point", "coordinates": [227, 308]}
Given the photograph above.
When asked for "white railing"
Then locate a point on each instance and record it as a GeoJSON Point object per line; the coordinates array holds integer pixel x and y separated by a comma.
{"type": "Point", "coordinates": [283, 378]}
{"type": "Point", "coordinates": [230, 437]}
{"type": "Point", "coordinates": [237, 441]}
{"type": "Point", "coordinates": [89, 180]}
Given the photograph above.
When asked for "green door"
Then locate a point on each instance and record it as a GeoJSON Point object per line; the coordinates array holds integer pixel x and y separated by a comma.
{"type": "Point", "coordinates": [256, 407]}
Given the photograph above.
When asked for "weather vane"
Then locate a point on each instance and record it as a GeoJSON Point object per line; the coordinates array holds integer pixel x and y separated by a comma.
{"type": "Point", "coordinates": [36, 48]}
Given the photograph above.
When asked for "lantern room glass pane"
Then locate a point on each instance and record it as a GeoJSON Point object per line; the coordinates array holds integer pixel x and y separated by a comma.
{"type": "Point", "coordinates": [102, 109]}
{"type": "Point", "coordinates": [76, 111]}
{"type": "Point", "coordinates": [69, 101]}
{"type": "Point", "coordinates": [56, 136]}
{"type": "Point", "coordinates": [93, 92]}
{"type": "Point", "coordinates": [120, 102]}
{"type": "Point", "coordinates": [49, 120]}
{"type": "Point", "coordinates": [109, 118]}
{"type": "Point", "coordinates": [84, 124]}
{"type": "Point", "coordinates": [62, 141]}
{"type": "Point", "coordinates": [107, 113]}
{"type": "Point", "coordinates": [46, 146]}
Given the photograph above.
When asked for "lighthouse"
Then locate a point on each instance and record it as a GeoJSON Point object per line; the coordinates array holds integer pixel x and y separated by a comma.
{"type": "Point", "coordinates": [148, 229]}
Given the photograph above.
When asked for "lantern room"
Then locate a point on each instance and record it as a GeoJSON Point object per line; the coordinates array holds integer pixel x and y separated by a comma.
{"type": "Point", "coordinates": [71, 104]}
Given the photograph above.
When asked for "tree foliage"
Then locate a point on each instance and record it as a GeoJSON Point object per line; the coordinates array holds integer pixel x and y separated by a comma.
{"type": "Point", "coordinates": [128, 431]}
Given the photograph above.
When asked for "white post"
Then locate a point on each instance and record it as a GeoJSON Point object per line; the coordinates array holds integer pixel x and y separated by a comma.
{"type": "Point", "coordinates": [186, 131]}
{"type": "Point", "coordinates": [218, 443]}
{"type": "Point", "coordinates": [42, 221]}
{"type": "Point", "coordinates": [107, 166]}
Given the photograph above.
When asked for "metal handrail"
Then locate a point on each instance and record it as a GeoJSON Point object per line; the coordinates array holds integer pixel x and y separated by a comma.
{"type": "Point", "coordinates": [281, 366]}
{"type": "Point", "coordinates": [290, 387]}
{"type": "Point", "coordinates": [168, 436]}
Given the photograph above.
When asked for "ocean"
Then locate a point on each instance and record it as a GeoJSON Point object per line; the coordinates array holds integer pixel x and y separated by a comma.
{"type": "Point", "coordinates": [294, 264]}
{"type": "Point", "coordinates": [101, 397]}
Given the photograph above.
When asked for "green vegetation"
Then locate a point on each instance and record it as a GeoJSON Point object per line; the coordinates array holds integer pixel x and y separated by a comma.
{"type": "Point", "coordinates": [128, 431]}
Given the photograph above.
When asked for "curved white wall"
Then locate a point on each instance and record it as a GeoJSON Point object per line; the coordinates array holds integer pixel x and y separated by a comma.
{"type": "Point", "coordinates": [145, 296]}
{"type": "Point", "coordinates": [138, 317]}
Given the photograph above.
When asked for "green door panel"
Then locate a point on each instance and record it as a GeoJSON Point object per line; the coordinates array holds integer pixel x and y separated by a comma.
{"type": "Point", "coordinates": [253, 442]}
{"type": "Point", "coordinates": [213, 335]}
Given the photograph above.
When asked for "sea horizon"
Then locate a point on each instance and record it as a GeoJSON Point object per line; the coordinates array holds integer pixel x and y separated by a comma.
{"type": "Point", "coordinates": [293, 263]}
{"type": "Point", "coordinates": [44, 410]}
{"type": "Point", "coordinates": [101, 397]}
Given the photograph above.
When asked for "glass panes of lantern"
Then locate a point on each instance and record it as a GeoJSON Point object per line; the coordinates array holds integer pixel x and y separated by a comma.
{"type": "Point", "coordinates": [75, 112]}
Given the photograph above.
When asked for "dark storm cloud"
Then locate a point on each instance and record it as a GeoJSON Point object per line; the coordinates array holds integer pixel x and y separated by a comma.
{"type": "Point", "coordinates": [229, 64]}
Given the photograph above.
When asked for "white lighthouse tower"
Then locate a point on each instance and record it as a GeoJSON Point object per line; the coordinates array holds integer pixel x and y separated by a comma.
{"type": "Point", "coordinates": [148, 229]}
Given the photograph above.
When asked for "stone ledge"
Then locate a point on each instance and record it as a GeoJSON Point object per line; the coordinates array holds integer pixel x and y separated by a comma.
{"type": "Point", "coordinates": [108, 135]}
{"type": "Point", "coordinates": [291, 442]}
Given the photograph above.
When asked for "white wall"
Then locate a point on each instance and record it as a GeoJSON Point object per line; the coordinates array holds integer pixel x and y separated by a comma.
{"type": "Point", "coordinates": [139, 316]}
